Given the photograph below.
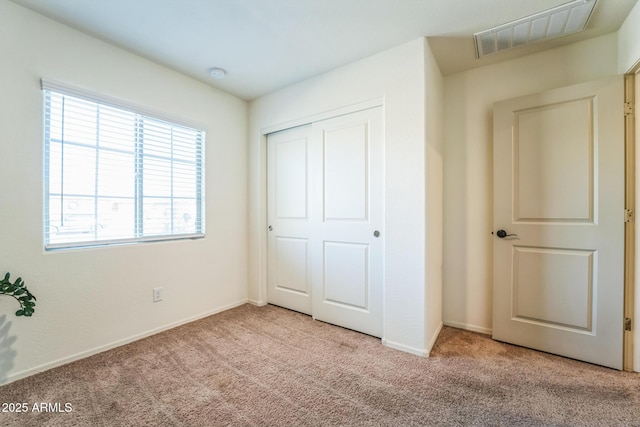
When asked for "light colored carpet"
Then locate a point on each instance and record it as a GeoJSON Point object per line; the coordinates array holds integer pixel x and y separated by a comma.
{"type": "Point", "coordinates": [267, 366]}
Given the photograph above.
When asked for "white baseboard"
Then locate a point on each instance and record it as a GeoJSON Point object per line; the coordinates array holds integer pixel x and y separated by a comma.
{"type": "Point", "coordinates": [257, 303]}
{"type": "Point", "coordinates": [417, 351]}
{"type": "Point", "coordinates": [433, 339]}
{"type": "Point", "coordinates": [408, 349]}
{"type": "Point", "coordinates": [467, 327]}
{"type": "Point", "coordinates": [84, 354]}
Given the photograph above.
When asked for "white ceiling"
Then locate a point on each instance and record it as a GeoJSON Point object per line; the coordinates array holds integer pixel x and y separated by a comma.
{"type": "Point", "coordinates": [268, 44]}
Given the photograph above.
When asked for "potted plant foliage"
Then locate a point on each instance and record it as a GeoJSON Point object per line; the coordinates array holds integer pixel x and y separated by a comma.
{"type": "Point", "coordinates": [19, 291]}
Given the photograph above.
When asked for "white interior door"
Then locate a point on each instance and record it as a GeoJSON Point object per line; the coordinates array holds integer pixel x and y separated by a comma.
{"type": "Point", "coordinates": [348, 244]}
{"type": "Point", "coordinates": [290, 219]}
{"type": "Point", "coordinates": [326, 212]}
{"type": "Point", "coordinates": [559, 197]}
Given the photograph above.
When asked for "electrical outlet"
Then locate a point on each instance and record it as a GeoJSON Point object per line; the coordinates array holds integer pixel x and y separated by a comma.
{"type": "Point", "coordinates": [157, 294]}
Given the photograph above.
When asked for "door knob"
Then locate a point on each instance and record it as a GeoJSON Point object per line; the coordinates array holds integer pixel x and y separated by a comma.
{"type": "Point", "coordinates": [376, 233]}
{"type": "Point", "coordinates": [502, 234]}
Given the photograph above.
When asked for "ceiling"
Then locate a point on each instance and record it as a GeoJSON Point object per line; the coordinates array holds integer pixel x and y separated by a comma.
{"type": "Point", "coordinates": [265, 45]}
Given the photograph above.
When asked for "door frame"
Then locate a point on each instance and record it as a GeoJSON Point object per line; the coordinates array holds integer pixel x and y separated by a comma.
{"type": "Point", "coordinates": [629, 225]}
{"type": "Point", "coordinates": [262, 249]}
{"type": "Point", "coordinates": [630, 133]}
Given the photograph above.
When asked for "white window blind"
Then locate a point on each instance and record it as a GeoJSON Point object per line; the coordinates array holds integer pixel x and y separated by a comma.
{"type": "Point", "coordinates": [115, 175]}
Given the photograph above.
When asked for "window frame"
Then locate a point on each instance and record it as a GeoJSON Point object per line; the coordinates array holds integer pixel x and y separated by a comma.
{"type": "Point", "coordinates": [141, 115]}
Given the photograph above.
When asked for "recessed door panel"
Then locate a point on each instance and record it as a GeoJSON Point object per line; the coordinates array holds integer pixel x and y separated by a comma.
{"type": "Point", "coordinates": [292, 265]}
{"type": "Point", "coordinates": [553, 162]}
{"type": "Point", "coordinates": [345, 172]}
{"type": "Point", "coordinates": [346, 274]}
{"type": "Point", "coordinates": [290, 162]}
{"type": "Point", "coordinates": [554, 287]}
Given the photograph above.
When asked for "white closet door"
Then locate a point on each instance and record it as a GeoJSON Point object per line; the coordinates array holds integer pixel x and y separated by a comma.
{"type": "Point", "coordinates": [348, 247]}
{"type": "Point", "coordinates": [326, 216]}
{"type": "Point", "coordinates": [289, 273]}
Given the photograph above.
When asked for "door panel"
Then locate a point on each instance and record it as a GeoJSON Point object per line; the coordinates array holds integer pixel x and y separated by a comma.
{"type": "Point", "coordinates": [346, 267]}
{"type": "Point", "coordinates": [554, 144]}
{"type": "Point", "coordinates": [559, 189]}
{"type": "Point", "coordinates": [289, 275]}
{"type": "Point", "coordinates": [292, 266]}
{"type": "Point", "coordinates": [348, 290]}
{"type": "Point", "coordinates": [290, 189]}
{"type": "Point", "coordinates": [553, 287]}
{"type": "Point", "coordinates": [345, 173]}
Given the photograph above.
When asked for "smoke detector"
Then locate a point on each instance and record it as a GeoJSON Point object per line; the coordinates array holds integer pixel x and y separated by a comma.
{"type": "Point", "coordinates": [217, 73]}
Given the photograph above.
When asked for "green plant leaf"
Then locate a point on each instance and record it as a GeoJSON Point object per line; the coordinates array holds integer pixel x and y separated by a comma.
{"type": "Point", "coordinates": [18, 290]}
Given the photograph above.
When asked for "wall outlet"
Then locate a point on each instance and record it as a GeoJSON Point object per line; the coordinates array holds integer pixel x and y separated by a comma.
{"type": "Point", "coordinates": [157, 294]}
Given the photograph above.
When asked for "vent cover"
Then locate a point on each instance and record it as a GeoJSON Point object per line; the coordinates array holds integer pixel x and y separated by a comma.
{"type": "Point", "coordinates": [559, 21]}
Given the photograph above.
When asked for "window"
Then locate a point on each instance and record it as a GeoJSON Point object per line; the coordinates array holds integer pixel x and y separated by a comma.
{"type": "Point", "coordinates": [113, 175]}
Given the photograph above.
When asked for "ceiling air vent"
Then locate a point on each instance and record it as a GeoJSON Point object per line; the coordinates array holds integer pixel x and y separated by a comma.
{"type": "Point", "coordinates": [558, 21]}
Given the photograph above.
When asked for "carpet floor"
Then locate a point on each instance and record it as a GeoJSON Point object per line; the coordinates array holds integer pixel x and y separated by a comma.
{"type": "Point", "coordinates": [267, 366]}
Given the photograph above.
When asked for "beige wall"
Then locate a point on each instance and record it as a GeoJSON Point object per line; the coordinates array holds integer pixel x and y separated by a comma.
{"type": "Point", "coordinates": [400, 78]}
{"type": "Point", "coordinates": [629, 41]}
{"type": "Point", "coordinates": [434, 101]}
{"type": "Point", "coordinates": [92, 299]}
{"type": "Point", "coordinates": [468, 215]}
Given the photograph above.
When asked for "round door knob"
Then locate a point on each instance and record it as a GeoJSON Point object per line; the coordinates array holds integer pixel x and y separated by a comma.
{"type": "Point", "coordinates": [376, 233]}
